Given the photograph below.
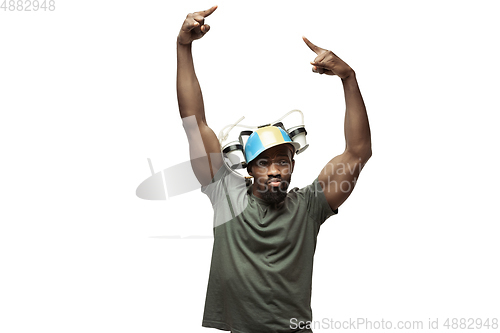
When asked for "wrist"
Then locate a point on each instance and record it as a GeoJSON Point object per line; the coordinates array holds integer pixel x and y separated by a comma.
{"type": "Point", "coordinates": [351, 76]}
{"type": "Point", "coordinates": [183, 43]}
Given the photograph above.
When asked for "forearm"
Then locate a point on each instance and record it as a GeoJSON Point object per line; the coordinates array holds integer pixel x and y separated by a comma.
{"type": "Point", "coordinates": [356, 126]}
{"type": "Point", "coordinates": [189, 94]}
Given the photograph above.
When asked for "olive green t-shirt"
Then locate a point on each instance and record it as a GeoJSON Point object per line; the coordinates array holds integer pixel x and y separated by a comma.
{"type": "Point", "coordinates": [262, 260]}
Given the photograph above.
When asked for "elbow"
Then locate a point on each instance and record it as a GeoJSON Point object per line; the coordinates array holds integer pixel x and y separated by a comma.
{"type": "Point", "coordinates": [365, 156]}
{"type": "Point", "coordinates": [363, 153]}
{"type": "Point", "coordinates": [368, 152]}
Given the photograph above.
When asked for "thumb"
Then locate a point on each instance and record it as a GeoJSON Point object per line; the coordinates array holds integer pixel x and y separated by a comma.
{"type": "Point", "coordinates": [205, 28]}
{"type": "Point", "coordinates": [189, 25]}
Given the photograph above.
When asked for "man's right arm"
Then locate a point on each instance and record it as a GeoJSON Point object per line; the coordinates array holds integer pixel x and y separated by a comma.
{"type": "Point", "coordinates": [204, 147]}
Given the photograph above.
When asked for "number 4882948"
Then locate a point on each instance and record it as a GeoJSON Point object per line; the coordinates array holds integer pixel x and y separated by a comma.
{"type": "Point", "coordinates": [28, 5]}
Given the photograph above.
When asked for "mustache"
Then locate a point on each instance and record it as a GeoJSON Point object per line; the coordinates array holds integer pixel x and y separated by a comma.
{"type": "Point", "coordinates": [274, 179]}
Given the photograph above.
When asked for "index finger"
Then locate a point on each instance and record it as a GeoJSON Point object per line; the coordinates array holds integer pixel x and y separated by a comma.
{"type": "Point", "coordinates": [314, 48]}
{"type": "Point", "coordinates": [206, 13]}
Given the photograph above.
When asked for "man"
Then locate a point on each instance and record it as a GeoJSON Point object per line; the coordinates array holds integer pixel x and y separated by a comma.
{"type": "Point", "coordinates": [265, 237]}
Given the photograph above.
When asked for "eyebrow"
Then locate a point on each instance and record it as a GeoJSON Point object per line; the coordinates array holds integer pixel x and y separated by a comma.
{"type": "Point", "coordinates": [279, 155]}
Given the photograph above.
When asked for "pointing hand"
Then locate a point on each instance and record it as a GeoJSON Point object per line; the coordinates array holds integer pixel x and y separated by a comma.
{"type": "Point", "coordinates": [194, 26]}
{"type": "Point", "coordinates": [327, 62]}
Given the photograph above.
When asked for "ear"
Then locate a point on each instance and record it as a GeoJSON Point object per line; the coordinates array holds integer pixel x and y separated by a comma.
{"type": "Point", "coordinates": [293, 165]}
{"type": "Point", "coordinates": [249, 169]}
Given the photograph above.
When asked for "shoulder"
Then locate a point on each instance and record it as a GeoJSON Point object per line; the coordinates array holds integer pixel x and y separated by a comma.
{"type": "Point", "coordinates": [225, 183]}
{"type": "Point", "coordinates": [312, 189]}
{"type": "Point", "coordinates": [313, 199]}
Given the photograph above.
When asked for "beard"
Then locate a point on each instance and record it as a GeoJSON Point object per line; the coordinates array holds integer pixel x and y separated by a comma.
{"type": "Point", "coordinates": [276, 194]}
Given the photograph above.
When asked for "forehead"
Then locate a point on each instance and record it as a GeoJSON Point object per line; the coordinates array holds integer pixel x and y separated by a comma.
{"type": "Point", "coordinates": [280, 150]}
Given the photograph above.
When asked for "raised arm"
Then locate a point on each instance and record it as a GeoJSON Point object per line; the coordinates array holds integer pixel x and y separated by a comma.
{"type": "Point", "coordinates": [204, 147]}
{"type": "Point", "coordinates": [339, 176]}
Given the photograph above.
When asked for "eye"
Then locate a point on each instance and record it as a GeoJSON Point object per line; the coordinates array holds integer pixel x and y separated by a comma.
{"type": "Point", "coordinates": [261, 163]}
{"type": "Point", "coordinates": [283, 162]}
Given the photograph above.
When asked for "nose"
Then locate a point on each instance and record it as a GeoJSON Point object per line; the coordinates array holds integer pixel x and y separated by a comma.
{"type": "Point", "coordinates": [273, 170]}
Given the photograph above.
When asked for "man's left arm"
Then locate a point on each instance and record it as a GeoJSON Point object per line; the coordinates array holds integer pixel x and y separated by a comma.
{"type": "Point", "coordinates": [339, 176]}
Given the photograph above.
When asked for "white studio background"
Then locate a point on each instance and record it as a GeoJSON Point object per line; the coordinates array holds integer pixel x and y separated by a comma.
{"type": "Point", "coordinates": [87, 94]}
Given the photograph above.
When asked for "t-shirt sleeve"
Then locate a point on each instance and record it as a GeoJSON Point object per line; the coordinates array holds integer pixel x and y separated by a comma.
{"type": "Point", "coordinates": [317, 206]}
{"type": "Point", "coordinates": [227, 195]}
{"type": "Point", "coordinates": [215, 190]}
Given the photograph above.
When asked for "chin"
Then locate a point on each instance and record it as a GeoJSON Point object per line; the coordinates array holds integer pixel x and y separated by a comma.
{"type": "Point", "coordinates": [275, 195]}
